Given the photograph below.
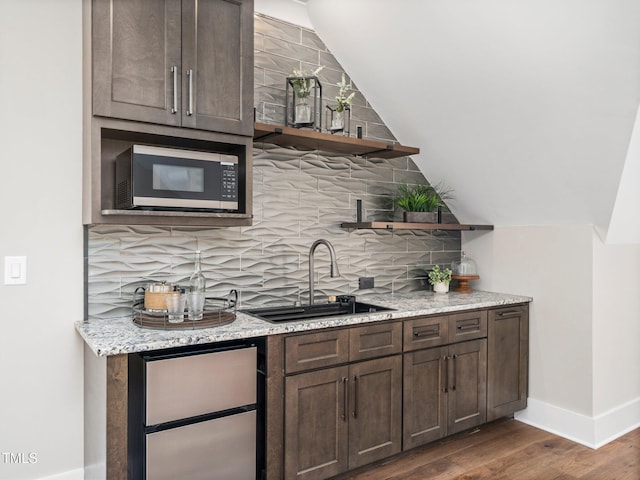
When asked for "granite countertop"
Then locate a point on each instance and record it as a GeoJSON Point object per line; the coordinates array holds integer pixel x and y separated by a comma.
{"type": "Point", "coordinates": [120, 335]}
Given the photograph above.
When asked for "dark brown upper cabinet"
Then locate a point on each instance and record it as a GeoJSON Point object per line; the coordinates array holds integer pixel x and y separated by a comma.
{"type": "Point", "coordinates": [185, 63]}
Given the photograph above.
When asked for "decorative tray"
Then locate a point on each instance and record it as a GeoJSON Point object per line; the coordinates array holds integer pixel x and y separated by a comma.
{"type": "Point", "coordinates": [218, 311]}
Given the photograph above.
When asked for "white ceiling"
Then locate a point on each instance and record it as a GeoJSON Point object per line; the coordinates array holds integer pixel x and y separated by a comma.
{"type": "Point", "coordinates": [524, 107]}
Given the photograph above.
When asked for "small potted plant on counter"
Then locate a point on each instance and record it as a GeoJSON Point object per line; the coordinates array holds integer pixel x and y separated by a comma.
{"type": "Point", "coordinates": [440, 279]}
{"type": "Point", "coordinates": [421, 202]}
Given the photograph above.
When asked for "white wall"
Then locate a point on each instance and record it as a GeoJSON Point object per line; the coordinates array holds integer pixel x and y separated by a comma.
{"type": "Point", "coordinates": [546, 263]}
{"type": "Point", "coordinates": [624, 226]}
{"type": "Point", "coordinates": [41, 406]}
{"type": "Point", "coordinates": [584, 324]}
{"type": "Point", "coordinates": [524, 107]}
{"type": "Point", "coordinates": [616, 334]}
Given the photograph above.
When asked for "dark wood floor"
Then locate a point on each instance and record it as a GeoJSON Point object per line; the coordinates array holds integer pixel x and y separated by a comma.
{"type": "Point", "coordinates": [509, 449]}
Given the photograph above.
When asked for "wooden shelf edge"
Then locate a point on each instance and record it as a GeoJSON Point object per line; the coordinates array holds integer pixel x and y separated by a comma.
{"type": "Point", "coordinates": [314, 140]}
{"type": "Point", "coordinates": [380, 225]}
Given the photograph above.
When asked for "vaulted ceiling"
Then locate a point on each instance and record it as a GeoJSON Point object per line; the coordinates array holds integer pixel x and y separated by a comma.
{"type": "Point", "coordinates": [525, 108]}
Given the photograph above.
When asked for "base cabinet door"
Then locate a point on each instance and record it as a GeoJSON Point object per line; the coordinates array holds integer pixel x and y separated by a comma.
{"type": "Point", "coordinates": [316, 424]}
{"type": "Point", "coordinates": [467, 385]}
{"type": "Point", "coordinates": [425, 413]}
{"type": "Point", "coordinates": [444, 391]}
{"type": "Point", "coordinates": [337, 419]}
{"type": "Point", "coordinates": [375, 426]}
{"type": "Point", "coordinates": [508, 360]}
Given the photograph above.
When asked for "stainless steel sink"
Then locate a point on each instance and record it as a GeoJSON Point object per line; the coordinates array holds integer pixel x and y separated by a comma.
{"type": "Point", "coordinates": [305, 312]}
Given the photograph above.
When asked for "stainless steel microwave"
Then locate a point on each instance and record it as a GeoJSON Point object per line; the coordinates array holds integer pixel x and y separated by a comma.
{"type": "Point", "coordinates": [149, 177]}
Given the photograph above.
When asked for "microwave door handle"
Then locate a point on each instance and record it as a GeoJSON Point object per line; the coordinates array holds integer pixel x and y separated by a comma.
{"type": "Point", "coordinates": [174, 106]}
{"type": "Point", "coordinates": [190, 82]}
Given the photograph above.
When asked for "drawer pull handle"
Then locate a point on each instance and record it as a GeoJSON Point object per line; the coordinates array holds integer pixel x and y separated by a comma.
{"type": "Point", "coordinates": [469, 326]}
{"type": "Point", "coordinates": [508, 312]}
{"type": "Point", "coordinates": [427, 332]}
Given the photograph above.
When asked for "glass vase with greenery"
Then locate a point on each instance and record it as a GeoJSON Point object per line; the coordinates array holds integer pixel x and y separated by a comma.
{"type": "Point", "coordinates": [302, 83]}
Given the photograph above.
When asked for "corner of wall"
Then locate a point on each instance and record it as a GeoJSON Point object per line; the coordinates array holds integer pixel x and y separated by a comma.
{"type": "Point", "coordinates": [593, 432]}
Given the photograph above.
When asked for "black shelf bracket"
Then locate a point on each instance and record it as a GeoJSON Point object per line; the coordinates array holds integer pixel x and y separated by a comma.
{"type": "Point", "coordinates": [275, 133]}
{"type": "Point", "coordinates": [388, 148]}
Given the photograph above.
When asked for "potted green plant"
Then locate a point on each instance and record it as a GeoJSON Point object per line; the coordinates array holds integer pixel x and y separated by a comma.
{"type": "Point", "coordinates": [440, 279]}
{"type": "Point", "coordinates": [421, 202]}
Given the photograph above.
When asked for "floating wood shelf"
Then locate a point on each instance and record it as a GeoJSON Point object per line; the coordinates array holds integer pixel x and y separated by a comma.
{"type": "Point", "coordinates": [381, 225]}
{"type": "Point", "coordinates": [313, 140]}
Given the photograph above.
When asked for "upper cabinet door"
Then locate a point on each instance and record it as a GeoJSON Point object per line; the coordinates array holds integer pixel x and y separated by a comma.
{"type": "Point", "coordinates": [135, 46]}
{"type": "Point", "coordinates": [217, 60]}
{"type": "Point", "coordinates": [182, 63]}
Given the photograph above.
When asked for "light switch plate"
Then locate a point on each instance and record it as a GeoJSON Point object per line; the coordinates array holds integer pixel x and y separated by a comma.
{"type": "Point", "coordinates": [15, 270]}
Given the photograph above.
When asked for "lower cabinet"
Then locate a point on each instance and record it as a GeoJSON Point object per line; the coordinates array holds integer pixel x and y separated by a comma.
{"type": "Point", "coordinates": [444, 391]}
{"type": "Point", "coordinates": [343, 417]}
{"type": "Point", "coordinates": [375, 425]}
{"type": "Point", "coordinates": [316, 424]}
{"type": "Point", "coordinates": [508, 361]}
{"type": "Point", "coordinates": [346, 397]}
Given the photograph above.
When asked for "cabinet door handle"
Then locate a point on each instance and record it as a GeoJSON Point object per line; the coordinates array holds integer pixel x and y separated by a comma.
{"type": "Point", "coordinates": [508, 312]}
{"type": "Point", "coordinates": [453, 384]}
{"type": "Point", "coordinates": [355, 396]}
{"type": "Point", "coordinates": [345, 398]}
{"type": "Point", "coordinates": [190, 93]}
{"type": "Point", "coordinates": [174, 106]}
{"type": "Point", "coordinates": [445, 360]}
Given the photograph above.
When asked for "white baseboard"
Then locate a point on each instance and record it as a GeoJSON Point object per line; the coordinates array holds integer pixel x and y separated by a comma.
{"type": "Point", "coordinates": [616, 422]}
{"type": "Point", "coordinates": [77, 474]}
{"type": "Point", "coordinates": [592, 432]}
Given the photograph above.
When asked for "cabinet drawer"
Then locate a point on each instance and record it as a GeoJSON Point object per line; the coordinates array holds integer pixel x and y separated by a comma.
{"type": "Point", "coordinates": [183, 387]}
{"type": "Point", "coordinates": [218, 449]}
{"type": "Point", "coordinates": [424, 332]}
{"type": "Point", "coordinates": [375, 340]}
{"type": "Point", "coordinates": [467, 326]}
{"type": "Point", "coordinates": [316, 350]}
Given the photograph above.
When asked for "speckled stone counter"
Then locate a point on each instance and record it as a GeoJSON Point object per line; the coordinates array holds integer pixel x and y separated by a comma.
{"type": "Point", "coordinates": [120, 335]}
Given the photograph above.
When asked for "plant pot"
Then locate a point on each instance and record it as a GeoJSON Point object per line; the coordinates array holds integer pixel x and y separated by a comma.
{"type": "Point", "coordinates": [421, 217]}
{"type": "Point", "coordinates": [441, 287]}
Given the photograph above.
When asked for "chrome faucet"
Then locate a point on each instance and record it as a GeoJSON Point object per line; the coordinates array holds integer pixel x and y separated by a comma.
{"type": "Point", "coordinates": [334, 266]}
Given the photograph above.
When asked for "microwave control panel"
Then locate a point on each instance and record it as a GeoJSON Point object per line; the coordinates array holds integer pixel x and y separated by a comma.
{"type": "Point", "coordinates": [229, 190]}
